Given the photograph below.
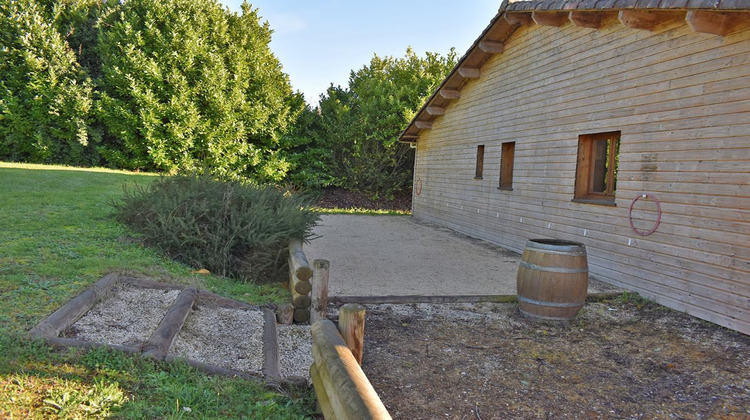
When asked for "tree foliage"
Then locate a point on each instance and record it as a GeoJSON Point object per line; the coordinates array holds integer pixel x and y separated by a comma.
{"type": "Point", "coordinates": [163, 85]}
{"type": "Point", "coordinates": [45, 96]}
{"type": "Point", "coordinates": [359, 125]}
{"type": "Point", "coordinates": [187, 85]}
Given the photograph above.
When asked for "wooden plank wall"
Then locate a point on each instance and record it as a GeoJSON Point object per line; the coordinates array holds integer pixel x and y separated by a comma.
{"type": "Point", "coordinates": [682, 103]}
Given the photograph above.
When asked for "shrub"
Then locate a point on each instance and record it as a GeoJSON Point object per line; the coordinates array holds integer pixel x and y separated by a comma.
{"type": "Point", "coordinates": [228, 228]}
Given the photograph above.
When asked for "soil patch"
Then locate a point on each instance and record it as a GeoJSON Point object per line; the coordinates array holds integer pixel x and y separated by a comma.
{"type": "Point", "coordinates": [618, 360]}
{"type": "Point", "coordinates": [331, 198]}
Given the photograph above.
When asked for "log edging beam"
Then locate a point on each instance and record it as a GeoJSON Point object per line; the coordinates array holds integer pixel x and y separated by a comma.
{"type": "Point", "coordinates": [158, 345]}
{"type": "Point", "coordinates": [68, 314]}
{"type": "Point", "coordinates": [347, 390]}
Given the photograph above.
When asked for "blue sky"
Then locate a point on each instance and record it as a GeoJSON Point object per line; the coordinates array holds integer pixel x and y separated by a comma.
{"type": "Point", "coordinates": [320, 41]}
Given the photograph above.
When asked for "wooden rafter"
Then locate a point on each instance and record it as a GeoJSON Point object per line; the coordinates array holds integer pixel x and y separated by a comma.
{"type": "Point", "coordinates": [522, 19]}
{"type": "Point", "coordinates": [423, 125]}
{"type": "Point", "coordinates": [469, 73]}
{"type": "Point", "coordinates": [491, 47]}
{"type": "Point", "coordinates": [591, 20]}
{"type": "Point", "coordinates": [717, 23]}
{"type": "Point", "coordinates": [643, 19]}
{"type": "Point", "coordinates": [550, 18]}
{"type": "Point", "coordinates": [450, 93]}
{"type": "Point", "coordinates": [435, 110]}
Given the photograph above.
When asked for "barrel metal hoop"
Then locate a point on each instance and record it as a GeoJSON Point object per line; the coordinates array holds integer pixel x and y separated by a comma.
{"type": "Point", "coordinates": [557, 247]}
{"type": "Point", "coordinates": [547, 318]}
{"type": "Point", "coordinates": [577, 253]}
{"type": "Point", "coordinates": [553, 269]}
{"type": "Point", "coordinates": [550, 304]}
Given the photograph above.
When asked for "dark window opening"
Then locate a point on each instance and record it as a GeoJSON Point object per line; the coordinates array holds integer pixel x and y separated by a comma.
{"type": "Point", "coordinates": [506, 165]}
{"type": "Point", "coordinates": [480, 162]}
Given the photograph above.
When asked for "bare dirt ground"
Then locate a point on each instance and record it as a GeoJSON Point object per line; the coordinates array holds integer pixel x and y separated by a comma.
{"type": "Point", "coordinates": [619, 360]}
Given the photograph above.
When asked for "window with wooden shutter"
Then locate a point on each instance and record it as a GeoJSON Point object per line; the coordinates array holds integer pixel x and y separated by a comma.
{"type": "Point", "coordinates": [596, 174]}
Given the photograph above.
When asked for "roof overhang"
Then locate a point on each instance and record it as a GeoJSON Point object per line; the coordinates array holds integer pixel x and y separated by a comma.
{"type": "Point", "coordinates": [716, 17]}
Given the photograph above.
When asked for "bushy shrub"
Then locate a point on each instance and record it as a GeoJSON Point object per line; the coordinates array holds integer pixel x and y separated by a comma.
{"type": "Point", "coordinates": [228, 228]}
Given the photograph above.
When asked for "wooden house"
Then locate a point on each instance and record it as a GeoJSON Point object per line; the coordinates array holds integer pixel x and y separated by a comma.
{"type": "Point", "coordinates": [620, 124]}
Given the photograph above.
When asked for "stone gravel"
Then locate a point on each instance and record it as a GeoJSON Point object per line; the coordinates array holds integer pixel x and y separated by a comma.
{"type": "Point", "coordinates": [126, 318]}
{"type": "Point", "coordinates": [228, 338]}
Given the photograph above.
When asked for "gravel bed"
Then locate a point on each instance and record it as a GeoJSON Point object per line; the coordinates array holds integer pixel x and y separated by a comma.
{"type": "Point", "coordinates": [113, 321]}
{"type": "Point", "coordinates": [295, 350]}
{"type": "Point", "coordinates": [229, 338]}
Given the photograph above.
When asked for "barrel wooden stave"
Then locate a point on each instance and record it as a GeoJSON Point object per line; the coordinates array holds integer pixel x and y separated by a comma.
{"type": "Point", "coordinates": [552, 279]}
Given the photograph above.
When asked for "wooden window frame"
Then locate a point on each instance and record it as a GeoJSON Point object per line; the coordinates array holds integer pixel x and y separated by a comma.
{"type": "Point", "coordinates": [585, 170]}
{"type": "Point", "coordinates": [479, 171]}
{"type": "Point", "coordinates": [507, 157]}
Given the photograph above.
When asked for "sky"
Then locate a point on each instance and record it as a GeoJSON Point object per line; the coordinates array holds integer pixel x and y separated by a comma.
{"type": "Point", "coordinates": [319, 42]}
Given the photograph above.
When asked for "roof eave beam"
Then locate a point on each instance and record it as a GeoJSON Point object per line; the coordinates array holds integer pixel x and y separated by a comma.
{"type": "Point", "coordinates": [550, 18]}
{"type": "Point", "coordinates": [450, 93]}
{"type": "Point", "coordinates": [491, 47]}
{"type": "Point", "coordinates": [423, 125]}
{"type": "Point", "coordinates": [591, 20]}
{"type": "Point", "coordinates": [518, 18]}
{"type": "Point", "coordinates": [469, 73]}
{"type": "Point", "coordinates": [716, 23]}
{"type": "Point", "coordinates": [643, 19]}
{"type": "Point", "coordinates": [435, 110]}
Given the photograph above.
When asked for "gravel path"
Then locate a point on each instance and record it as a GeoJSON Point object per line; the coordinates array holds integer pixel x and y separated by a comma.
{"type": "Point", "coordinates": [396, 255]}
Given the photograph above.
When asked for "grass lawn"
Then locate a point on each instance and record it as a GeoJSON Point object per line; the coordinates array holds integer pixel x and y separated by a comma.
{"type": "Point", "coordinates": [57, 239]}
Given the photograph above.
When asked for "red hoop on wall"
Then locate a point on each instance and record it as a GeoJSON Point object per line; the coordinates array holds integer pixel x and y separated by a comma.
{"type": "Point", "coordinates": [658, 214]}
{"type": "Point", "coordinates": [418, 186]}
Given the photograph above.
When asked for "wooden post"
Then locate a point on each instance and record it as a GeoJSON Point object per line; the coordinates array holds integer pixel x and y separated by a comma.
{"type": "Point", "coordinates": [285, 313]}
{"type": "Point", "coordinates": [352, 328]}
{"type": "Point", "coordinates": [321, 269]}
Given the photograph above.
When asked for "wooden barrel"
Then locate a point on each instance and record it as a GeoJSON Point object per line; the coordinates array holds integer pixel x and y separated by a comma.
{"type": "Point", "coordinates": [552, 279]}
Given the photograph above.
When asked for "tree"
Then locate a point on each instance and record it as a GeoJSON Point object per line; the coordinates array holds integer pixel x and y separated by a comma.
{"type": "Point", "coordinates": [359, 125]}
{"type": "Point", "coordinates": [45, 96]}
{"type": "Point", "coordinates": [188, 85]}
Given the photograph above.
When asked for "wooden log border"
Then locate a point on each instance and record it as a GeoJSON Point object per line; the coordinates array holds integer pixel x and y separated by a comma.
{"type": "Point", "coordinates": [158, 345]}
{"type": "Point", "coordinates": [409, 299]}
{"type": "Point", "coordinates": [341, 387]}
{"type": "Point", "coordinates": [271, 364]}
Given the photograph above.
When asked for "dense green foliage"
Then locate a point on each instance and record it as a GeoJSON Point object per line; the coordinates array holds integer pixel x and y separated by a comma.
{"type": "Point", "coordinates": [163, 85]}
{"type": "Point", "coordinates": [229, 228]}
{"type": "Point", "coordinates": [351, 140]}
{"type": "Point", "coordinates": [45, 96]}
{"type": "Point", "coordinates": [187, 85]}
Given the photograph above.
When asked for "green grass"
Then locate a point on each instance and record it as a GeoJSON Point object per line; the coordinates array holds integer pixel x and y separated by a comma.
{"type": "Point", "coordinates": [58, 238]}
{"type": "Point", "coordinates": [359, 211]}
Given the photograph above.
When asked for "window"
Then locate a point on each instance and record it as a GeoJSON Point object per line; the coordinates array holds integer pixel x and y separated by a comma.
{"type": "Point", "coordinates": [480, 162]}
{"type": "Point", "coordinates": [506, 165]}
{"type": "Point", "coordinates": [596, 174]}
